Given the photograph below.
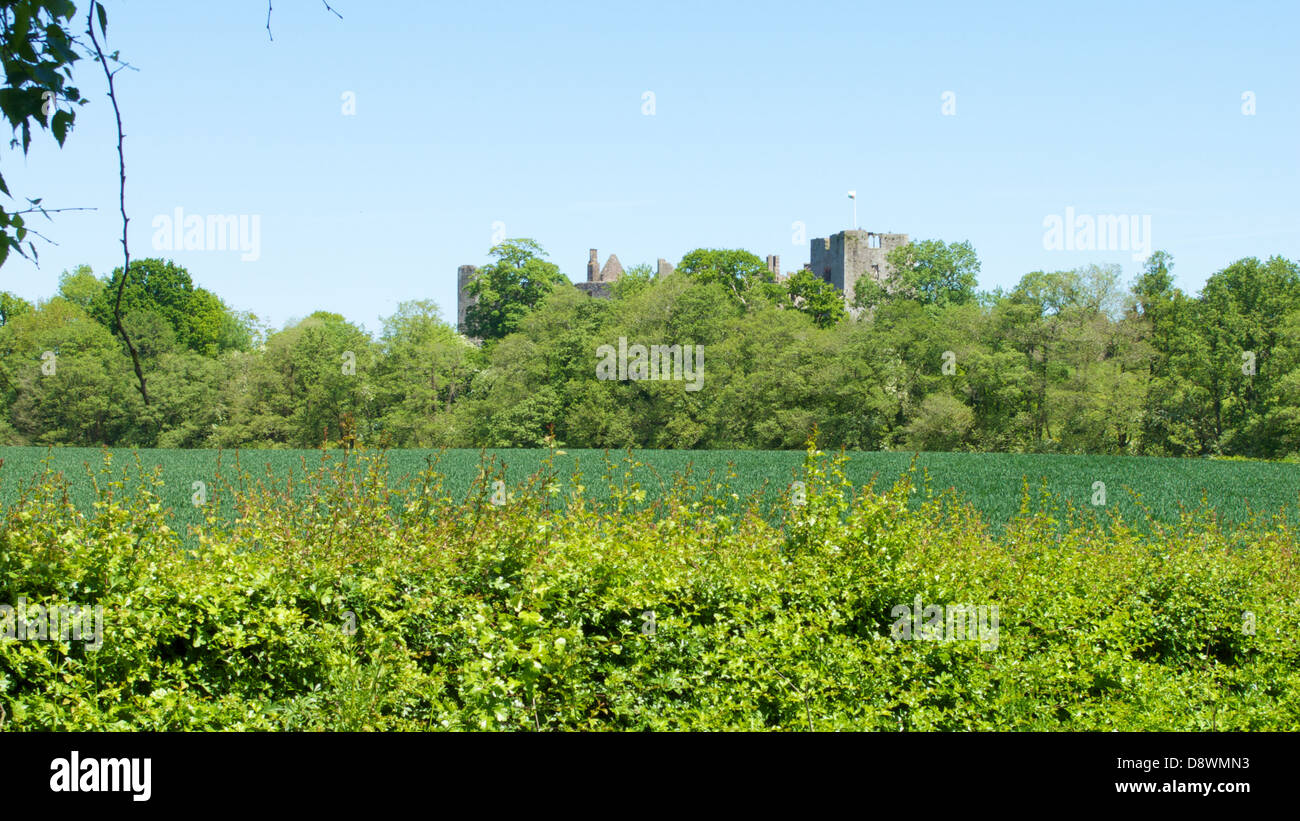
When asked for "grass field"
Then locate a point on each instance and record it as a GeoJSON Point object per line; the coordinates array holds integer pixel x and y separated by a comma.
{"type": "Point", "coordinates": [995, 484]}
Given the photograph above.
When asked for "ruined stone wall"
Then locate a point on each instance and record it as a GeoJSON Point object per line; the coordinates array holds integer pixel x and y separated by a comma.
{"type": "Point", "coordinates": [613, 270]}
{"type": "Point", "coordinates": [599, 290]}
{"type": "Point", "coordinates": [820, 259]}
{"type": "Point", "coordinates": [844, 258]}
{"type": "Point", "coordinates": [863, 257]}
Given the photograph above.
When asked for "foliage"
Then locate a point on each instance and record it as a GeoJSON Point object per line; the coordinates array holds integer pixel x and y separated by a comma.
{"type": "Point", "coordinates": [85, 400]}
{"type": "Point", "coordinates": [12, 306]}
{"type": "Point", "coordinates": [633, 281]}
{"type": "Point", "coordinates": [1065, 362]}
{"type": "Point", "coordinates": [348, 603]}
{"type": "Point", "coordinates": [38, 49]}
{"type": "Point", "coordinates": [931, 272]}
{"type": "Point", "coordinates": [506, 290]}
{"type": "Point", "coordinates": [81, 286]}
{"type": "Point", "coordinates": [740, 273]}
{"type": "Point", "coordinates": [816, 298]}
{"type": "Point", "coordinates": [199, 319]}
{"type": "Point", "coordinates": [424, 366]}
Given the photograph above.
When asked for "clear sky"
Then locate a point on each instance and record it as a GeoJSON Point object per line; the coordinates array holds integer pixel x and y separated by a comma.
{"type": "Point", "coordinates": [532, 114]}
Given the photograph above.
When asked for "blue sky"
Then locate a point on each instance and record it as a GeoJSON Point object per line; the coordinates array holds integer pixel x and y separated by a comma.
{"type": "Point", "coordinates": [765, 114]}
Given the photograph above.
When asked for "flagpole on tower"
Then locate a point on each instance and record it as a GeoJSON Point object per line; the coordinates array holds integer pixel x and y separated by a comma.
{"type": "Point", "coordinates": [853, 195]}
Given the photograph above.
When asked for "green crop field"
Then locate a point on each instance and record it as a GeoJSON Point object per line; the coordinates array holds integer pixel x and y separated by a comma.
{"type": "Point", "coordinates": [341, 602]}
{"type": "Point", "coordinates": [995, 484]}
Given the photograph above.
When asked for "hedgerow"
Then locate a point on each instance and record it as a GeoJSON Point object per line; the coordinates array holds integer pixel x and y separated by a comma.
{"type": "Point", "coordinates": [352, 604]}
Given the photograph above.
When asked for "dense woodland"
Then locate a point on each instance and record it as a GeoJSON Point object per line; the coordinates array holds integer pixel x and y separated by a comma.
{"type": "Point", "coordinates": [1068, 361]}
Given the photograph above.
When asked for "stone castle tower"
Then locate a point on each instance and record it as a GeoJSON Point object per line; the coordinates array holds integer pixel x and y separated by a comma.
{"type": "Point", "coordinates": [844, 258]}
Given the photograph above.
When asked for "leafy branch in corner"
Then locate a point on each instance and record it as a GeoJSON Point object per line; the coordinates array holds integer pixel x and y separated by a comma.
{"type": "Point", "coordinates": [37, 52]}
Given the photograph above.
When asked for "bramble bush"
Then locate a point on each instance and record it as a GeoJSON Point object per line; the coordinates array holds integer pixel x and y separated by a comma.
{"type": "Point", "coordinates": [356, 605]}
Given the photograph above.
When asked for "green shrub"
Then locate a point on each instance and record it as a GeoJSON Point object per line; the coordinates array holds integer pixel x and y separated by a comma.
{"type": "Point", "coordinates": [338, 601]}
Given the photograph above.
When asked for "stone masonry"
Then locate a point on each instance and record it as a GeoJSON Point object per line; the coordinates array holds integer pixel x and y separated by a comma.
{"type": "Point", "coordinates": [599, 279]}
{"type": "Point", "coordinates": [844, 258]}
{"type": "Point", "coordinates": [774, 267]}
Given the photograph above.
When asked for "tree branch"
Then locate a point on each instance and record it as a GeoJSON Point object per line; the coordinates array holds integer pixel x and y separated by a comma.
{"type": "Point", "coordinates": [269, 3]}
{"type": "Point", "coordinates": [39, 210]}
{"type": "Point", "coordinates": [121, 162]}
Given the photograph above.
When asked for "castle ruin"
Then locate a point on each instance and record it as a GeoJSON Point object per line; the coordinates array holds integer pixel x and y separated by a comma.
{"type": "Point", "coordinates": [844, 258]}
{"type": "Point", "coordinates": [840, 259]}
{"type": "Point", "coordinates": [599, 279]}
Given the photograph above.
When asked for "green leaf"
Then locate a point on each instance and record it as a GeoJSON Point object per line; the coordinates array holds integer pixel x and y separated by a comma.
{"type": "Point", "coordinates": [103, 18]}
{"type": "Point", "coordinates": [62, 121]}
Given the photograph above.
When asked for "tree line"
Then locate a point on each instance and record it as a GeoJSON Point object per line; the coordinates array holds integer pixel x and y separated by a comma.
{"type": "Point", "coordinates": [1067, 361]}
